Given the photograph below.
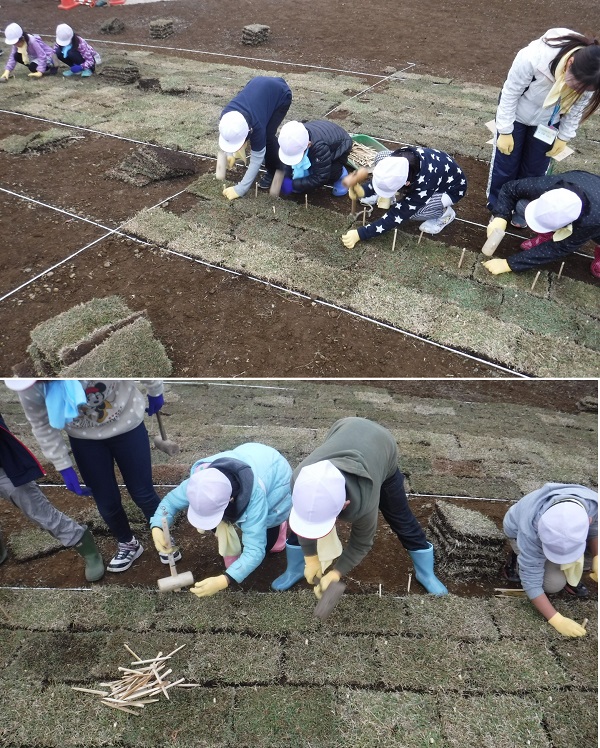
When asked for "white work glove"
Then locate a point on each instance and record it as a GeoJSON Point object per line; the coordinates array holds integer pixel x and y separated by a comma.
{"type": "Point", "coordinates": [350, 238]}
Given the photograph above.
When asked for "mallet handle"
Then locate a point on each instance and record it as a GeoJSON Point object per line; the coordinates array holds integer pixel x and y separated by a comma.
{"type": "Point", "coordinates": [161, 428]}
{"type": "Point", "coordinates": [167, 534]}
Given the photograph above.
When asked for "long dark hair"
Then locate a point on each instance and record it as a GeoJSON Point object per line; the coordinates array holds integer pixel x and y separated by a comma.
{"type": "Point", "coordinates": [414, 162]}
{"type": "Point", "coordinates": [585, 67]}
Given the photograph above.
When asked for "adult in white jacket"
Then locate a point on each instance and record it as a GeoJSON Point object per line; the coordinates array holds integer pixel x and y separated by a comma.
{"type": "Point", "coordinates": [247, 487]}
{"type": "Point", "coordinates": [552, 86]}
{"type": "Point", "coordinates": [109, 429]}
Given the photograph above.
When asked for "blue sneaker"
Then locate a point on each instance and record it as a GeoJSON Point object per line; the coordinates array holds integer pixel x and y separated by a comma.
{"type": "Point", "coordinates": [86, 73]}
{"type": "Point", "coordinates": [339, 189]}
{"type": "Point", "coordinates": [67, 73]}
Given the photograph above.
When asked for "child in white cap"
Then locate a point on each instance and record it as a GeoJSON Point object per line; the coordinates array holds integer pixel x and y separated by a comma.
{"type": "Point", "coordinates": [315, 153]}
{"type": "Point", "coordinates": [28, 50]}
{"type": "Point", "coordinates": [246, 487]}
{"type": "Point", "coordinates": [75, 52]}
{"type": "Point", "coordinates": [431, 182]}
{"type": "Point", "coordinates": [563, 210]}
{"type": "Point", "coordinates": [254, 115]}
{"type": "Point", "coordinates": [549, 530]}
{"type": "Point", "coordinates": [354, 475]}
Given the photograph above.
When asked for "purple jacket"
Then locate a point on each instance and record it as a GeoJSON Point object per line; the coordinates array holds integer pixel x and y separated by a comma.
{"type": "Point", "coordinates": [85, 50]}
{"type": "Point", "coordinates": [37, 51]}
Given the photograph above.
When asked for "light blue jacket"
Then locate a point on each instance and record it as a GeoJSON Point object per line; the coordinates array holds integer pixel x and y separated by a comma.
{"type": "Point", "coordinates": [269, 503]}
{"type": "Point", "coordinates": [521, 523]}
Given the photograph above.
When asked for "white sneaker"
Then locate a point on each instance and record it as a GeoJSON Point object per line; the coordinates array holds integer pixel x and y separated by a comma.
{"type": "Point", "coordinates": [370, 200]}
{"type": "Point", "coordinates": [435, 225]}
{"type": "Point", "coordinates": [164, 557]}
{"type": "Point", "coordinates": [125, 556]}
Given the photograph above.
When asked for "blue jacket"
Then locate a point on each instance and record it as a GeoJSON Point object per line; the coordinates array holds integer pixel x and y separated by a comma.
{"type": "Point", "coordinates": [257, 101]}
{"type": "Point", "coordinates": [263, 500]}
{"type": "Point", "coordinates": [521, 523]}
{"type": "Point", "coordinates": [19, 464]}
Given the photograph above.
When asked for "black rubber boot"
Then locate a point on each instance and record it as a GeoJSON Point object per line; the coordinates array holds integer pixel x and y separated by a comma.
{"type": "Point", "coordinates": [580, 591]}
{"type": "Point", "coordinates": [87, 548]}
{"type": "Point", "coordinates": [511, 569]}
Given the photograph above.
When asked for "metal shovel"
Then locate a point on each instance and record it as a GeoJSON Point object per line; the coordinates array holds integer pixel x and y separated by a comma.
{"type": "Point", "coordinates": [161, 442]}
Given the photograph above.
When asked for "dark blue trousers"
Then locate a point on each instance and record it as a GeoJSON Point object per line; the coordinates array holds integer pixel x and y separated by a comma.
{"type": "Point", "coordinates": [272, 162]}
{"type": "Point", "coordinates": [96, 462]}
{"type": "Point", "coordinates": [528, 159]}
{"type": "Point", "coordinates": [393, 504]}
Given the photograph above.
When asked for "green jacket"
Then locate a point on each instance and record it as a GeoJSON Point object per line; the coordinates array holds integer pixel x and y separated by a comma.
{"type": "Point", "coordinates": [367, 455]}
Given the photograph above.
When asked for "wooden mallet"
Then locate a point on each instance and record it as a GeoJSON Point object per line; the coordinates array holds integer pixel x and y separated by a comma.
{"type": "Point", "coordinates": [221, 170]}
{"type": "Point", "coordinates": [278, 178]}
{"type": "Point", "coordinates": [176, 581]}
{"type": "Point", "coordinates": [161, 442]}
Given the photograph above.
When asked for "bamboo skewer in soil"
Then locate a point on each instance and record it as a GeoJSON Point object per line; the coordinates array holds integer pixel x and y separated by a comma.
{"type": "Point", "coordinates": [420, 237]}
{"type": "Point", "coordinates": [535, 280]}
{"type": "Point", "coordinates": [562, 265]}
{"type": "Point", "coordinates": [140, 683]}
{"type": "Point", "coordinates": [462, 257]}
{"type": "Point", "coordinates": [395, 237]}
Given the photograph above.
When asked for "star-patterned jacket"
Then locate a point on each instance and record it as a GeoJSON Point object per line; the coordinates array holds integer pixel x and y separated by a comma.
{"type": "Point", "coordinates": [438, 172]}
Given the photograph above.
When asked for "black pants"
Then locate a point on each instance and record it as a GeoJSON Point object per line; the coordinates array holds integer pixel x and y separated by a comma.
{"type": "Point", "coordinates": [73, 58]}
{"type": "Point", "coordinates": [337, 166]}
{"type": "Point", "coordinates": [393, 504]}
{"type": "Point", "coordinates": [32, 66]}
{"type": "Point", "coordinates": [272, 161]}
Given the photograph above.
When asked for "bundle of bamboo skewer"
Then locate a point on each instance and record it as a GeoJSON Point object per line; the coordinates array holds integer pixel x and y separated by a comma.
{"type": "Point", "coordinates": [362, 155]}
{"type": "Point", "coordinates": [140, 683]}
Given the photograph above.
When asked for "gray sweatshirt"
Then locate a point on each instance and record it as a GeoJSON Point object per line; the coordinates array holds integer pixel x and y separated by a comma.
{"type": "Point", "coordinates": [521, 523]}
{"type": "Point", "coordinates": [114, 406]}
{"type": "Point", "coordinates": [367, 455]}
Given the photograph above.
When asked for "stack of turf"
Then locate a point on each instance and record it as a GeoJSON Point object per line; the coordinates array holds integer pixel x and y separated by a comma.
{"type": "Point", "coordinates": [120, 71]}
{"type": "Point", "coordinates": [255, 34]}
{"type": "Point", "coordinates": [148, 164]}
{"type": "Point", "coordinates": [112, 26]}
{"type": "Point", "coordinates": [467, 544]}
{"type": "Point", "coordinates": [161, 28]}
{"type": "Point", "coordinates": [102, 337]}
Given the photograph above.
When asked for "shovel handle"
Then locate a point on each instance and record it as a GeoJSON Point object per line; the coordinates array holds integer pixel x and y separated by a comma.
{"type": "Point", "coordinates": [161, 428]}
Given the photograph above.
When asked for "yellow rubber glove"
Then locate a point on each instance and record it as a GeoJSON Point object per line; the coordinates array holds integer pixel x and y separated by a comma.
{"type": "Point", "coordinates": [37, 74]}
{"type": "Point", "coordinates": [230, 193]}
{"type": "Point", "coordinates": [5, 75]}
{"type": "Point", "coordinates": [230, 162]}
{"type": "Point", "coordinates": [331, 576]}
{"type": "Point", "coordinates": [384, 202]}
{"type": "Point", "coordinates": [356, 192]}
{"type": "Point", "coordinates": [210, 586]}
{"type": "Point", "coordinates": [160, 543]}
{"type": "Point", "coordinates": [566, 626]}
{"type": "Point", "coordinates": [497, 266]}
{"type": "Point", "coordinates": [233, 157]}
{"type": "Point", "coordinates": [594, 572]}
{"type": "Point", "coordinates": [495, 223]}
{"type": "Point", "coordinates": [350, 238]}
{"type": "Point", "coordinates": [312, 569]}
{"type": "Point", "coordinates": [505, 144]}
{"type": "Point", "coordinates": [558, 147]}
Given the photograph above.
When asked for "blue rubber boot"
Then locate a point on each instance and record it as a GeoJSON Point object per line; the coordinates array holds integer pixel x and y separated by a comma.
{"type": "Point", "coordinates": [295, 568]}
{"type": "Point", "coordinates": [423, 561]}
{"type": "Point", "coordinates": [339, 190]}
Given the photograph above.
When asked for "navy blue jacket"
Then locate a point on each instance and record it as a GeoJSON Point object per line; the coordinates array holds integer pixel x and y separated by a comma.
{"type": "Point", "coordinates": [19, 464]}
{"type": "Point", "coordinates": [586, 227]}
{"type": "Point", "coordinates": [257, 101]}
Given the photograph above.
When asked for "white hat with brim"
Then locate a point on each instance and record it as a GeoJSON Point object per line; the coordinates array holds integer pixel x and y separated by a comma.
{"type": "Point", "coordinates": [563, 531]}
{"type": "Point", "coordinates": [317, 499]}
{"type": "Point", "coordinates": [389, 175]}
{"type": "Point", "coordinates": [554, 210]}
{"type": "Point", "coordinates": [293, 141]}
{"type": "Point", "coordinates": [233, 131]}
{"type": "Point", "coordinates": [64, 34]}
{"type": "Point", "coordinates": [13, 32]}
{"type": "Point", "coordinates": [208, 491]}
{"type": "Point", "coordinates": [18, 385]}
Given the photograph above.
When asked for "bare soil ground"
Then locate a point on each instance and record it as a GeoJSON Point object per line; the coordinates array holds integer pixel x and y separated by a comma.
{"type": "Point", "coordinates": [219, 324]}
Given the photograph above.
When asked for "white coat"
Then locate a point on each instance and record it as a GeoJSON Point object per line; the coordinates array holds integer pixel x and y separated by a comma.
{"type": "Point", "coordinates": [528, 83]}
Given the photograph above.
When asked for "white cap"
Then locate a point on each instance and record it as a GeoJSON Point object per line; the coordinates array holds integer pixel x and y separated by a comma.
{"type": "Point", "coordinates": [554, 210]}
{"type": "Point", "coordinates": [317, 499]}
{"type": "Point", "coordinates": [293, 141]}
{"type": "Point", "coordinates": [18, 385]}
{"type": "Point", "coordinates": [13, 32]}
{"type": "Point", "coordinates": [208, 492]}
{"type": "Point", "coordinates": [64, 34]}
{"type": "Point", "coordinates": [563, 530]}
{"type": "Point", "coordinates": [389, 175]}
{"type": "Point", "coordinates": [233, 131]}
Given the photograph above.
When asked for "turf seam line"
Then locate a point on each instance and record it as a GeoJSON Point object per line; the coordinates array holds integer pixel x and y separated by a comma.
{"type": "Point", "coordinates": [360, 93]}
{"type": "Point", "coordinates": [213, 158]}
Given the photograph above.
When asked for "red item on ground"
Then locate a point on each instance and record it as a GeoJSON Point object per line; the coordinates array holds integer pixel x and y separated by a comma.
{"type": "Point", "coordinates": [534, 241]}
{"type": "Point", "coordinates": [595, 266]}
